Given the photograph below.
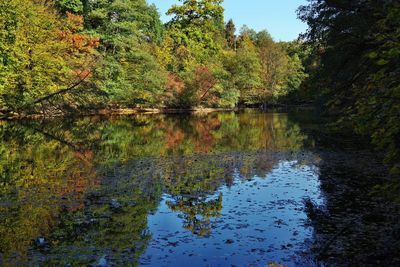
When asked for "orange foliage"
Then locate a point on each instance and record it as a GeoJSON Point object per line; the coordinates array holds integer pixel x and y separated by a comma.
{"type": "Point", "coordinates": [199, 88]}
{"type": "Point", "coordinates": [77, 42]}
{"type": "Point", "coordinates": [75, 22]}
{"type": "Point", "coordinates": [83, 74]}
{"type": "Point", "coordinates": [206, 141]}
{"type": "Point", "coordinates": [204, 80]}
{"type": "Point", "coordinates": [80, 180]}
{"type": "Point", "coordinates": [79, 47]}
{"type": "Point", "coordinates": [174, 137]}
{"type": "Point", "coordinates": [174, 84]}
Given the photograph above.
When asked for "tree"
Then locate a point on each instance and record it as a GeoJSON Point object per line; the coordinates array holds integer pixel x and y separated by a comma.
{"type": "Point", "coordinates": [41, 55]}
{"type": "Point", "coordinates": [203, 13]}
{"type": "Point", "coordinates": [230, 36]}
{"type": "Point", "coordinates": [128, 29]}
{"type": "Point", "coordinates": [358, 42]}
{"type": "Point", "coordinates": [274, 67]}
{"type": "Point", "coordinates": [191, 52]}
{"type": "Point", "coordinates": [195, 30]}
{"type": "Point", "coordinates": [246, 31]}
{"type": "Point", "coordinates": [69, 55]}
{"type": "Point", "coordinates": [244, 67]}
{"type": "Point", "coordinates": [295, 74]}
{"type": "Point", "coordinates": [75, 6]}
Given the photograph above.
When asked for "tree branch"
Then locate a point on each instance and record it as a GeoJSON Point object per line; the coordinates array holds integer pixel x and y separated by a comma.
{"type": "Point", "coordinates": [63, 91]}
{"type": "Point", "coordinates": [205, 93]}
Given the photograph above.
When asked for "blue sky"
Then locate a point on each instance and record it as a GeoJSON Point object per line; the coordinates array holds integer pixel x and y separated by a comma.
{"type": "Point", "coordinates": [277, 16]}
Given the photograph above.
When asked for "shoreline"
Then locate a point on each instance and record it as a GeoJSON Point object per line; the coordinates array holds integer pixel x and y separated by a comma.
{"type": "Point", "coordinates": [13, 116]}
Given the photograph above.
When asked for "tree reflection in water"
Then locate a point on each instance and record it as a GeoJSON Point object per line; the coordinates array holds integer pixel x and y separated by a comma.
{"type": "Point", "coordinates": [86, 186]}
{"type": "Point", "coordinates": [197, 212]}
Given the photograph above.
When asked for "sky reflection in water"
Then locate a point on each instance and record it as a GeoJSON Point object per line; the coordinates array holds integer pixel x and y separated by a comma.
{"type": "Point", "coordinates": [260, 221]}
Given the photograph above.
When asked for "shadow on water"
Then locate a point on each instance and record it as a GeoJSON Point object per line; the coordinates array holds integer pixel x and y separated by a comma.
{"type": "Point", "coordinates": [218, 189]}
{"type": "Point", "coordinates": [359, 222]}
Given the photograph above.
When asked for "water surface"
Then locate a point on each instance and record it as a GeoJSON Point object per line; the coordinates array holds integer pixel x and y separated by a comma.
{"type": "Point", "coordinates": [223, 189]}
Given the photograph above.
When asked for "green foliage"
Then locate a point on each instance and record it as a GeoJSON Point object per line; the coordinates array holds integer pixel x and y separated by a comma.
{"type": "Point", "coordinates": [202, 13]}
{"type": "Point", "coordinates": [195, 33]}
{"type": "Point", "coordinates": [194, 42]}
{"type": "Point", "coordinates": [72, 55]}
{"type": "Point", "coordinates": [128, 71]}
{"type": "Point", "coordinates": [40, 53]}
{"type": "Point", "coordinates": [244, 68]}
{"type": "Point", "coordinates": [60, 178]}
{"type": "Point", "coordinates": [230, 36]}
{"type": "Point", "coordinates": [358, 43]}
{"type": "Point", "coordinates": [295, 74]}
{"type": "Point", "coordinates": [75, 6]}
{"type": "Point", "coordinates": [275, 65]}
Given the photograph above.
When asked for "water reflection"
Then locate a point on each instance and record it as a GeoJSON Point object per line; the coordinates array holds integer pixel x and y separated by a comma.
{"type": "Point", "coordinates": [39, 177]}
{"type": "Point", "coordinates": [80, 192]}
{"type": "Point", "coordinates": [261, 217]}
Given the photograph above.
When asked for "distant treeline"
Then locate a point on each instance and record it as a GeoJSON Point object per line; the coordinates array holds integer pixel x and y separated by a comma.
{"type": "Point", "coordinates": [68, 55]}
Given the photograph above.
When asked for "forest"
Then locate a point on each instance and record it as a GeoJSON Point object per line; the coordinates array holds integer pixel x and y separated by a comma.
{"type": "Point", "coordinates": [70, 56]}
{"type": "Point", "coordinates": [262, 152]}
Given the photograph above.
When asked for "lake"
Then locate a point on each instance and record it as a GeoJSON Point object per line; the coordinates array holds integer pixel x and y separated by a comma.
{"type": "Point", "coordinates": [246, 188]}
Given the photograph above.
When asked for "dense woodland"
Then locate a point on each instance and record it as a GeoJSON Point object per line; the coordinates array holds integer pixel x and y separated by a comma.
{"type": "Point", "coordinates": [66, 56]}
{"type": "Point", "coordinates": [72, 54]}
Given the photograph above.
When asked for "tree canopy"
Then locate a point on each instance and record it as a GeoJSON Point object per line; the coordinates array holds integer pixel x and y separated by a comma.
{"type": "Point", "coordinates": [72, 55]}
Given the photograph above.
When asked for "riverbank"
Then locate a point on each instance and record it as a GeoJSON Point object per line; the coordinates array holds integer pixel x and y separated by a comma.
{"type": "Point", "coordinates": [136, 111]}
{"type": "Point", "coordinates": [110, 112]}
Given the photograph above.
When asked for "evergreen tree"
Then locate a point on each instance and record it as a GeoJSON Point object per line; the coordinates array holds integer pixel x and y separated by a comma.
{"type": "Point", "coordinates": [230, 36]}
